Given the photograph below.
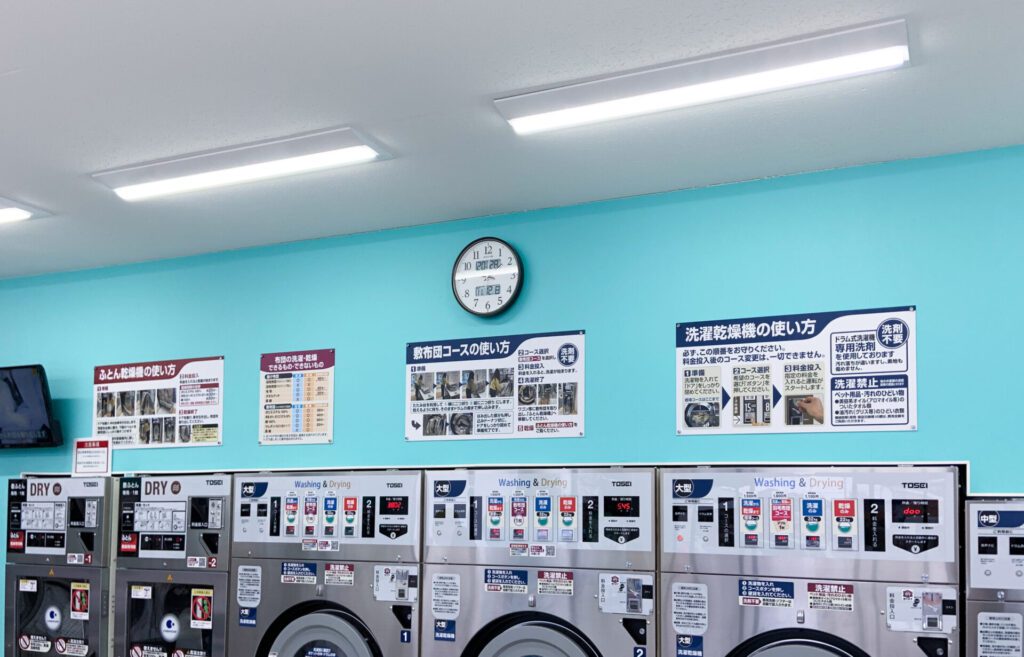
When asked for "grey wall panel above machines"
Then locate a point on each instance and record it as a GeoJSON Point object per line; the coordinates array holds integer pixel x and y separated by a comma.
{"type": "Point", "coordinates": [578, 518]}
{"type": "Point", "coordinates": [995, 577]}
{"type": "Point", "coordinates": [863, 523]}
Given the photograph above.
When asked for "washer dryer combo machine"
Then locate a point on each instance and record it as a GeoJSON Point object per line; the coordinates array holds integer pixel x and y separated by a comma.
{"type": "Point", "coordinates": [59, 533]}
{"type": "Point", "coordinates": [995, 577]}
{"type": "Point", "coordinates": [810, 562]}
{"type": "Point", "coordinates": [539, 563]}
{"type": "Point", "coordinates": [326, 565]}
{"type": "Point", "coordinates": [171, 582]}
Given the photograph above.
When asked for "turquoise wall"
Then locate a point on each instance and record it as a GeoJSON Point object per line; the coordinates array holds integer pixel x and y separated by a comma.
{"type": "Point", "coordinates": [943, 234]}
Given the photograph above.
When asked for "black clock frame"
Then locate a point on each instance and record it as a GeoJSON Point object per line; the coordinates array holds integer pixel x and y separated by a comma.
{"type": "Point", "coordinates": [515, 293]}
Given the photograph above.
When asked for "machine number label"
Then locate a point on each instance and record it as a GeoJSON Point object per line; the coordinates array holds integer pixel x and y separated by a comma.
{"type": "Point", "coordinates": [1000, 635]}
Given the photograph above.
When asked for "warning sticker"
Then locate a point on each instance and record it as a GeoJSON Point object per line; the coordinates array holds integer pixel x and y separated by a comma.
{"type": "Point", "coordinates": [142, 592]}
{"type": "Point", "coordinates": [829, 596]}
{"type": "Point", "coordinates": [28, 585]}
{"type": "Point", "coordinates": [298, 572]}
{"type": "Point", "coordinates": [202, 609]}
{"type": "Point", "coordinates": [506, 580]}
{"type": "Point", "coordinates": [1000, 635]}
{"type": "Point", "coordinates": [445, 596]}
{"type": "Point", "coordinates": [689, 608]}
{"type": "Point", "coordinates": [34, 643]}
{"type": "Point", "coordinates": [72, 647]}
{"type": "Point", "coordinates": [765, 593]}
{"type": "Point", "coordinates": [250, 586]}
{"type": "Point", "coordinates": [339, 574]}
{"type": "Point", "coordinates": [554, 582]}
{"type": "Point", "coordinates": [79, 600]}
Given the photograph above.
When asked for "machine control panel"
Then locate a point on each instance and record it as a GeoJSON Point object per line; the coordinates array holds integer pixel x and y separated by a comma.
{"type": "Point", "coordinates": [541, 517]}
{"type": "Point", "coordinates": [358, 515]}
{"type": "Point", "coordinates": [174, 521]}
{"type": "Point", "coordinates": [996, 546]}
{"type": "Point", "coordinates": [60, 520]}
{"type": "Point", "coordinates": [901, 515]}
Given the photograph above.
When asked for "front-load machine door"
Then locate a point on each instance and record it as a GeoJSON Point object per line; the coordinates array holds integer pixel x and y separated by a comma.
{"type": "Point", "coordinates": [56, 611]}
{"type": "Point", "coordinates": [170, 614]}
{"type": "Point", "coordinates": [797, 643]}
{"type": "Point", "coordinates": [535, 640]}
{"type": "Point", "coordinates": [326, 633]}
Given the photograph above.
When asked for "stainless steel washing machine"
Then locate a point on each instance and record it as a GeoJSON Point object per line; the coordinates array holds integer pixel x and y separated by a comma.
{"type": "Point", "coordinates": [539, 563]}
{"type": "Point", "coordinates": [326, 564]}
{"type": "Point", "coordinates": [810, 561]}
{"type": "Point", "coordinates": [59, 531]}
{"type": "Point", "coordinates": [995, 577]}
{"type": "Point", "coordinates": [173, 552]}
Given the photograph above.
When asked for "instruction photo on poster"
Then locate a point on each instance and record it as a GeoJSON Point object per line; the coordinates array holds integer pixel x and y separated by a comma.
{"type": "Point", "coordinates": [819, 372]}
{"type": "Point", "coordinates": [512, 386]}
{"type": "Point", "coordinates": [166, 403]}
{"type": "Point", "coordinates": [297, 398]}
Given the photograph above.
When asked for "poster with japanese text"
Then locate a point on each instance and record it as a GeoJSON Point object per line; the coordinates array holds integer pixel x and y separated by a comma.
{"type": "Point", "coordinates": [165, 403]}
{"type": "Point", "coordinates": [819, 372]}
{"type": "Point", "coordinates": [297, 398]}
{"type": "Point", "coordinates": [511, 386]}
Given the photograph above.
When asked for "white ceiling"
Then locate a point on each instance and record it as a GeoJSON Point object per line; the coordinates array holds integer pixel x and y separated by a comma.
{"type": "Point", "coordinates": [88, 86]}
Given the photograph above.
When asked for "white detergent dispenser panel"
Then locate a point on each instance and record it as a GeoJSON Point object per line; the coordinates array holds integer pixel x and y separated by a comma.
{"type": "Point", "coordinates": [878, 523]}
{"type": "Point", "coordinates": [583, 518]}
{"type": "Point", "coordinates": [362, 516]}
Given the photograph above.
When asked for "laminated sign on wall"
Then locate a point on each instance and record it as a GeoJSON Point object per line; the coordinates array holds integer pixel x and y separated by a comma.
{"type": "Point", "coordinates": [836, 371]}
{"type": "Point", "coordinates": [167, 403]}
{"type": "Point", "coordinates": [297, 397]}
{"type": "Point", "coordinates": [513, 386]}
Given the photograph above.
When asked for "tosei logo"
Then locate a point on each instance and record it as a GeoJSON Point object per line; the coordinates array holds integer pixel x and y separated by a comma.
{"type": "Point", "coordinates": [622, 484]}
{"type": "Point", "coordinates": [214, 482]}
{"type": "Point", "coordinates": [988, 518]}
{"type": "Point", "coordinates": [916, 485]}
{"type": "Point", "coordinates": [395, 484]}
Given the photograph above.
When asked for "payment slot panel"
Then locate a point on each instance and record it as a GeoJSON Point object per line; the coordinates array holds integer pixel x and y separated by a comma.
{"type": "Point", "coordinates": [62, 521]}
{"type": "Point", "coordinates": [178, 522]}
{"type": "Point", "coordinates": [995, 577]}
{"type": "Point", "coordinates": [363, 516]}
{"type": "Point", "coordinates": [897, 523]}
{"type": "Point", "coordinates": [571, 517]}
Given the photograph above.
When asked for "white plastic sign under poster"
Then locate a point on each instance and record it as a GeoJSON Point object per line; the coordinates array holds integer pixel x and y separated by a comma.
{"type": "Point", "coordinates": [165, 403]}
{"type": "Point", "coordinates": [509, 386]}
{"type": "Point", "coordinates": [817, 372]}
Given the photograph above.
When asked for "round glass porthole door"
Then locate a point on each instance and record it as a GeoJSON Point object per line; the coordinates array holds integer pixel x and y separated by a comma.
{"type": "Point", "coordinates": [323, 634]}
{"type": "Point", "coordinates": [799, 650]}
{"type": "Point", "coordinates": [535, 640]}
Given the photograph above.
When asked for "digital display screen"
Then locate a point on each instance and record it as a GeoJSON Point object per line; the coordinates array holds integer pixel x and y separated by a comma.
{"type": "Point", "coordinates": [621, 507]}
{"type": "Point", "coordinates": [25, 408]}
{"type": "Point", "coordinates": [394, 506]}
{"type": "Point", "coordinates": [925, 512]}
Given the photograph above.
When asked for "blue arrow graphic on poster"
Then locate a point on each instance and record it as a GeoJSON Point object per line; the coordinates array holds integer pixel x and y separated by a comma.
{"type": "Point", "coordinates": [725, 398]}
{"type": "Point", "coordinates": [776, 396]}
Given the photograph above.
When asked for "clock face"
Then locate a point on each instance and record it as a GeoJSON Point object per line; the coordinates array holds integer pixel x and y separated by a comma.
{"type": "Point", "coordinates": [487, 276]}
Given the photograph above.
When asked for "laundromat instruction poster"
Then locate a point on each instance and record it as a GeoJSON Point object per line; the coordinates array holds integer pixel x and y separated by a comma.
{"type": "Point", "coordinates": [511, 386]}
{"type": "Point", "coordinates": [834, 371]}
{"type": "Point", "coordinates": [297, 398]}
{"type": "Point", "coordinates": [165, 403]}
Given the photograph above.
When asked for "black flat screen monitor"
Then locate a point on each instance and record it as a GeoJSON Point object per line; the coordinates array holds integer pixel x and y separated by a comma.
{"type": "Point", "coordinates": [26, 410]}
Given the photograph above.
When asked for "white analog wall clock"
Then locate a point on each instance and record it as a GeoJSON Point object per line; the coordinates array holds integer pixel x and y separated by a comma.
{"type": "Point", "coordinates": [487, 277]}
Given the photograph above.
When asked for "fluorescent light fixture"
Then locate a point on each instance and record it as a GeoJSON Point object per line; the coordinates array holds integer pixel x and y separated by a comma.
{"type": "Point", "coordinates": [242, 164]}
{"type": "Point", "coordinates": [808, 60]}
{"type": "Point", "coordinates": [12, 211]}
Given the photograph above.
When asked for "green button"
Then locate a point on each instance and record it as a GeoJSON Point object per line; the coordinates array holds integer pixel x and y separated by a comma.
{"type": "Point", "coordinates": [812, 526]}
{"type": "Point", "coordinates": [845, 527]}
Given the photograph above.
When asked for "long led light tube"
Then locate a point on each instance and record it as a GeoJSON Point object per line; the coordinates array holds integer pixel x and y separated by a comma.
{"type": "Point", "coordinates": [810, 60]}
{"type": "Point", "coordinates": [263, 161]}
{"type": "Point", "coordinates": [13, 211]}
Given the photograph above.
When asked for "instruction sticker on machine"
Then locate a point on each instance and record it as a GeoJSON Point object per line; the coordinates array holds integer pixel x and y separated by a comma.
{"type": "Point", "coordinates": [512, 386]}
{"type": "Point", "coordinates": [167, 403]}
{"type": "Point", "coordinates": [297, 398]}
{"type": "Point", "coordinates": [765, 593]}
{"type": "Point", "coordinates": [689, 608]}
{"type": "Point", "coordinates": [626, 593]}
{"type": "Point", "coordinates": [818, 372]}
{"type": "Point", "coordinates": [395, 583]}
{"type": "Point", "coordinates": [446, 596]}
{"type": "Point", "coordinates": [830, 596]}
{"type": "Point", "coordinates": [1000, 634]}
{"type": "Point", "coordinates": [555, 582]}
{"type": "Point", "coordinates": [506, 580]}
